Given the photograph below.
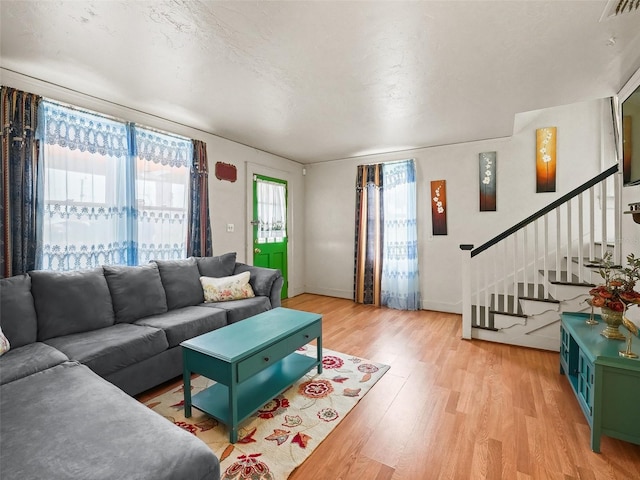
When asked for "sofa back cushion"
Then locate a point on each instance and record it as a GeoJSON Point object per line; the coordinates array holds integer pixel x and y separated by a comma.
{"type": "Point", "coordinates": [181, 282]}
{"type": "Point", "coordinates": [136, 292]}
{"type": "Point", "coordinates": [71, 302]}
{"type": "Point", "coordinates": [220, 266]}
{"type": "Point", "coordinates": [18, 318]}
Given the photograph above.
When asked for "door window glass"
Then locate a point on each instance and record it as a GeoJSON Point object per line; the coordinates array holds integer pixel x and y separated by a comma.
{"type": "Point", "coordinates": [272, 211]}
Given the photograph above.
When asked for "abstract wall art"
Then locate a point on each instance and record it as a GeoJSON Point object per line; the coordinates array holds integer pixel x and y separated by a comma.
{"type": "Point", "coordinates": [439, 207]}
{"type": "Point", "coordinates": [546, 159]}
{"type": "Point", "coordinates": [487, 168]}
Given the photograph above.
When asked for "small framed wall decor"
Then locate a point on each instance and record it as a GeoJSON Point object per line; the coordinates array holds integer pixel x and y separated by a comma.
{"type": "Point", "coordinates": [546, 159]}
{"type": "Point", "coordinates": [226, 171]}
{"type": "Point", "coordinates": [439, 207]}
{"type": "Point", "coordinates": [487, 168]}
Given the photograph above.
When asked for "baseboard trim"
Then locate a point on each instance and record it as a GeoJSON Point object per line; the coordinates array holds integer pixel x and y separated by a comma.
{"type": "Point", "coordinates": [330, 292]}
{"type": "Point", "coordinates": [442, 307]}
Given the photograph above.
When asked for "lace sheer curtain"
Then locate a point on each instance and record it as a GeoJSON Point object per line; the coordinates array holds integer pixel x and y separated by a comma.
{"type": "Point", "coordinates": [272, 211]}
{"type": "Point", "coordinates": [163, 165]}
{"type": "Point", "coordinates": [400, 276]}
{"type": "Point", "coordinates": [114, 193]}
{"type": "Point", "coordinates": [88, 214]}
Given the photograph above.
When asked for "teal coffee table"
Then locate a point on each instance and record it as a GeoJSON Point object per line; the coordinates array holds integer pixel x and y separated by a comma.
{"type": "Point", "coordinates": [252, 362]}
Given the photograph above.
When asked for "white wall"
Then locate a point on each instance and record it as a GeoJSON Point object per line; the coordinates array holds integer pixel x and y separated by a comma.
{"type": "Point", "coordinates": [227, 200]}
{"type": "Point", "coordinates": [330, 198]}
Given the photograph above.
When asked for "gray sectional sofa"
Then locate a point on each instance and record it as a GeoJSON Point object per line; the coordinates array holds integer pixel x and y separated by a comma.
{"type": "Point", "coordinates": [83, 342]}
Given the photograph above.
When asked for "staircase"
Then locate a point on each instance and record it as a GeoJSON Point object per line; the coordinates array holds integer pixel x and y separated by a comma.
{"type": "Point", "coordinates": [516, 285]}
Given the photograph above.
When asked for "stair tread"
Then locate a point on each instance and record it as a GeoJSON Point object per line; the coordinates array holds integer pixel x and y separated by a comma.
{"type": "Point", "coordinates": [592, 262]}
{"type": "Point", "coordinates": [493, 329]}
{"type": "Point", "coordinates": [538, 299]}
{"type": "Point", "coordinates": [511, 314]}
{"type": "Point", "coordinates": [562, 279]}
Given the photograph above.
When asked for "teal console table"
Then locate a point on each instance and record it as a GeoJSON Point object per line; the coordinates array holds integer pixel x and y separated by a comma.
{"type": "Point", "coordinates": [606, 385]}
{"type": "Point", "coordinates": [252, 362]}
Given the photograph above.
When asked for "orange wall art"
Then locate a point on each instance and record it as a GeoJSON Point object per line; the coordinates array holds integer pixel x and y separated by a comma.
{"type": "Point", "coordinates": [546, 159]}
{"type": "Point", "coordinates": [439, 207]}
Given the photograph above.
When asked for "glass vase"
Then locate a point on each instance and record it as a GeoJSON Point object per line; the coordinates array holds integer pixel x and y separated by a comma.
{"type": "Point", "coordinates": [613, 320]}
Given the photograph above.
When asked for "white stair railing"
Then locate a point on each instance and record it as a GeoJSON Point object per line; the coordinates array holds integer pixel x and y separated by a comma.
{"type": "Point", "coordinates": [520, 261]}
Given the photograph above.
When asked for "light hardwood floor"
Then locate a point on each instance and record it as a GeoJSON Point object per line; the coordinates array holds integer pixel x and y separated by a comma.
{"type": "Point", "coordinates": [453, 409]}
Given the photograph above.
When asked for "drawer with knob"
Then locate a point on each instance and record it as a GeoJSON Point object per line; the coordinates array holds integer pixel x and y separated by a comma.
{"type": "Point", "coordinates": [303, 337]}
{"type": "Point", "coordinates": [261, 360]}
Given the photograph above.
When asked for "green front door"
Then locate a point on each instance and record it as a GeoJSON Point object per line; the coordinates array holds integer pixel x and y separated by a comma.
{"type": "Point", "coordinates": [270, 225]}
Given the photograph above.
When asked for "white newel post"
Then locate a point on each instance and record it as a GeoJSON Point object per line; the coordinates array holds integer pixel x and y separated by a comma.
{"type": "Point", "coordinates": [466, 291]}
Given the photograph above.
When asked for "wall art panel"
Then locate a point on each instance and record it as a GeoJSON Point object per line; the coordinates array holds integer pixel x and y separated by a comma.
{"type": "Point", "coordinates": [546, 159]}
{"type": "Point", "coordinates": [488, 181]}
{"type": "Point", "coordinates": [439, 207]}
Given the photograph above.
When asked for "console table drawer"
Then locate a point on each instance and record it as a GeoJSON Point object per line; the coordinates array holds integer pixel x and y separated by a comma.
{"type": "Point", "coordinates": [303, 337]}
{"type": "Point", "coordinates": [261, 360]}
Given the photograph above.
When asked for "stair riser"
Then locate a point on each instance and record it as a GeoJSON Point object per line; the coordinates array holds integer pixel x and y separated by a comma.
{"type": "Point", "coordinates": [541, 334]}
{"type": "Point", "coordinates": [507, 321]}
{"type": "Point", "coordinates": [567, 292]}
{"type": "Point", "coordinates": [533, 307]}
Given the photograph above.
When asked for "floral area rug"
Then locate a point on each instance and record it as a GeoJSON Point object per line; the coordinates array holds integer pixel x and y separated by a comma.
{"type": "Point", "coordinates": [283, 433]}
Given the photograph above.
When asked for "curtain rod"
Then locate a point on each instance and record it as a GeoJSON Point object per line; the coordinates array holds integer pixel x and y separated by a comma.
{"type": "Point", "coordinates": [390, 162]}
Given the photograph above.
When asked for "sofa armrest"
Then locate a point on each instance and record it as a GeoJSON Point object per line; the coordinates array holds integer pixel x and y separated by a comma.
{"type": "Point", "coordinates": [265, 282]}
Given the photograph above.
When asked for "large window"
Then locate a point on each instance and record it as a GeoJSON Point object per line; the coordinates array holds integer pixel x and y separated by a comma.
{"type": "Point", "coordinates": [114, 193]}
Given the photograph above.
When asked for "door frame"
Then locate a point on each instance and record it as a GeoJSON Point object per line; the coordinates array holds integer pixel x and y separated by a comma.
{"type": "Point", "coordinates": [257, 169]}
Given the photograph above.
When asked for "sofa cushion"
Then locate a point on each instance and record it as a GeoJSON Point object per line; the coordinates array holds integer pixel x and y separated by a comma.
{"type": "Point", "coordinates": [181, 282]}
{"type": "Point", "coordinates": [184, 323]}
{"type": "Point", "coordinates": [17, 311]}
{"type": "Point", "coordinates": [262, 279]}
{"type": "Point", "coordinates": [71, 302]}
{"type": "Point", "coordinates": [109, 349]}
{"type": "Point", "coordinates": [67, 423]}
{"type": "Point", "coordinates": [136, 292]}
{"type": "Point", "coordinates": [235, 287]}
{"type": "Point", "coordinates": [27, 360]}
{"type": "Point", "coordinates": [220, 266]}
{"type": "Point", "coordinates": [240, 309]}
{"type": "Point", "coordinates": [276, 292]}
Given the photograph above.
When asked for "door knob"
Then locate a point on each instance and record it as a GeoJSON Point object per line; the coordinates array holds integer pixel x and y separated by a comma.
{"type": "Point", "coordinates": [257, 250]}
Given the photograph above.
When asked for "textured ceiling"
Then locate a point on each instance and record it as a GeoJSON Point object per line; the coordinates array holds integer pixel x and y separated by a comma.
{"type": "Point", "coordinates": [315, 81]}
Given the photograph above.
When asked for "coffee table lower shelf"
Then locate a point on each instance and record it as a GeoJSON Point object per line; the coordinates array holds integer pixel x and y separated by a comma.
{"type": "Point", "coordinates": [254, 392]}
